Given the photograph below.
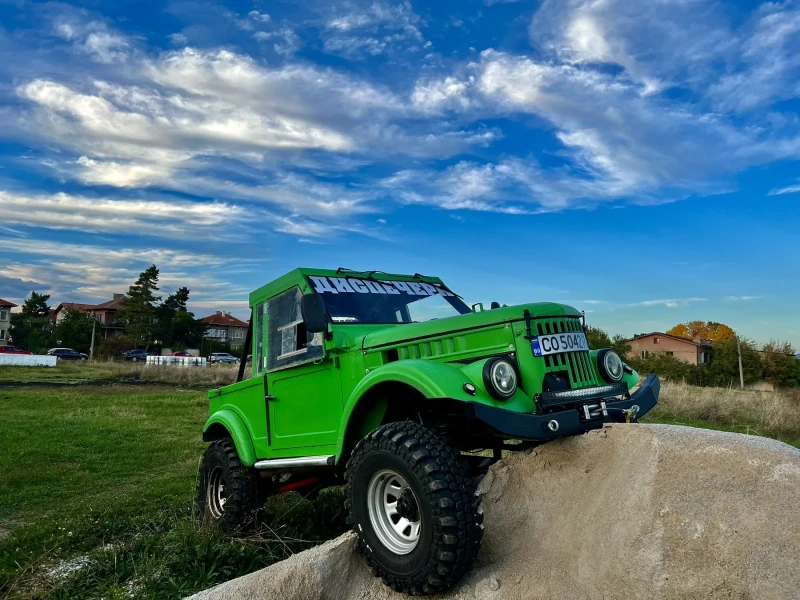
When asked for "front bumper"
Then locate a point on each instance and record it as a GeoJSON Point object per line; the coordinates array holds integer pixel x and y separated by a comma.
{"type": "Point", "coordinates": [507, 424]}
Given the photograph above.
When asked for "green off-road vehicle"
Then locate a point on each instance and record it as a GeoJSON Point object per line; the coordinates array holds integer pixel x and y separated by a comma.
{"type": "Point", "coordinates": [393, 384]}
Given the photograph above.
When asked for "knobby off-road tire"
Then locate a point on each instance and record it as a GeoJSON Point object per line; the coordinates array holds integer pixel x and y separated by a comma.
{"type": "Point", "coordinates": [440, 499]}
{"type": "Point", "coordinates": [228, 494]}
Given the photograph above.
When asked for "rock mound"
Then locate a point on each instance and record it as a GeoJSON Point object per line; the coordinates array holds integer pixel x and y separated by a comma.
{"type": "Point", "coordinates": [629, 511]}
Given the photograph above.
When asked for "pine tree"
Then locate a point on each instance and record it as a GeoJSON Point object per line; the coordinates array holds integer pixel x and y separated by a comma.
{"type": "Point", "coordinates": [36, 306]}
{"type": "Point", "coordinates": [140, 308]}
{"type": "Point", "coordinates": [31, 328]}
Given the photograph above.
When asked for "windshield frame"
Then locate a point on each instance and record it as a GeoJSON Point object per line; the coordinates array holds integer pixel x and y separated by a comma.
{"type": "Point", "coordinates": [414, 287]}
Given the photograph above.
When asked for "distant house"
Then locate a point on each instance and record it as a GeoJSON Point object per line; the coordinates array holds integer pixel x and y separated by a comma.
{"type": "Point", "coordinates": [105, 313]}
{"type": "Point", "coordinates": [5, 320]}
{"type": "Point", "coordinates": [695, 352]}
{"type": "Point", "coordinates": [223, 327]}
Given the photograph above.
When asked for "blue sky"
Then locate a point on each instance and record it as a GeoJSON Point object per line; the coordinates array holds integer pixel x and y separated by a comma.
{"type": "Point", "coordinates": [636, 160]}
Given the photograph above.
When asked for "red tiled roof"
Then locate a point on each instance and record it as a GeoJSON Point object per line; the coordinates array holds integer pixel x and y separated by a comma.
{"type": "Point", "coordinates": [74, 306]}
{"type": "Point", "coordinates": [228, 320]}
{"type": "Point", "coordinates": [115, 304]}
{"type": "Point", "coordinates": [6, 303]}
{"type": "Point", "coordinates": [674, 337]}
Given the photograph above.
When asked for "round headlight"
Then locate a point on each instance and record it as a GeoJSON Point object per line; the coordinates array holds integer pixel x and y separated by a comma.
{"type": "Point", "coordinates": [610, 365]}
{"type": "Point", "coordinates": [500, 378]}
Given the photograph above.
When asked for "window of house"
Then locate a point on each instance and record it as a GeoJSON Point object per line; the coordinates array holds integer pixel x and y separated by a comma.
{"type": "Point", "coordinates": [656, 340]}
{"type": "Point", "coordinates": [669, 353]}
{"type": "Point", "coordinates": [3, 315]}
{"type": "Point", "coordinates": [704, 358]}
{"type": "Point", "coordinates": [238, 334]}
{"type": "Point", "coordinates": [2, 334]}
{"type": "Point", "coordinates": [645, 354]}
{"type": "Point", "coordinates": [288, 342]}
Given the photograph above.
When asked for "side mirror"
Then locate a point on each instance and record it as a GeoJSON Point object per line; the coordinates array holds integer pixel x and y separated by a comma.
{"type": "Point", "coordinates": [315, 317]}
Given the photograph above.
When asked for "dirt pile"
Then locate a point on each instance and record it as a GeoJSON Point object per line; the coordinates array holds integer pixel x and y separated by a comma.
{"type": "Point", "coordinates": [630, 511]}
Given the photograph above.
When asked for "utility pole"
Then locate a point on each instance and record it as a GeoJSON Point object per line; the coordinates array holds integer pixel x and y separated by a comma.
{"type": "Point", "coordinates": [741, 372]}
{"type": "Point", "coordinates": [94, 324]}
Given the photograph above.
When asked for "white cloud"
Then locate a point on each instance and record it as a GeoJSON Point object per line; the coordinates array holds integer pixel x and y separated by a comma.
{"type": "Point", "coordinates": [119, 174]}
{"type": "Point", "coordinates": [178, 39]}
{"type": "Point", "coordinates": [789, 189]}
{"type": "Point", "coordinates": [105, 270]}
{"type": "Point", "coordinates": [93, 38]}
{"type": "Point", "coordinates": [173, 219]}
{"type": "Point", "coordinates": [619, 139]}
{"type": "Point", "coordinates": [285, 41]}
{"type": "Point", "coordinates": [671, 303]}
{"type": "Point", "coordinates": [259, 16]}
{"type": "Point", "coordinates": [374, 29]}
{"type": "Point", "coordinates": [742, 298]}
{"type": "Point", "coordinates": [435, 95]}
{"type": "Point", "coordinates": [681, 44]}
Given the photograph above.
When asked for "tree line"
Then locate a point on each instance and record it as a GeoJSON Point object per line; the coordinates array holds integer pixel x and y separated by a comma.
{"type": "Point", "coordinates": [776, 363]}
{"type": "Point", "coordinates": [149, 322]}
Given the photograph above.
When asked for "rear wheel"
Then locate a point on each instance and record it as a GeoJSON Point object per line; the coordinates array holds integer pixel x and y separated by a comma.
{"type": "Point", "coordinates": [227, 492]}
{"type": "Point", "coordinates": [413, 505]}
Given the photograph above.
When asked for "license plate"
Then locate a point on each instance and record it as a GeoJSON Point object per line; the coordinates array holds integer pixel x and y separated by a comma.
{"type": "Point", "coordinates": [556, 343]}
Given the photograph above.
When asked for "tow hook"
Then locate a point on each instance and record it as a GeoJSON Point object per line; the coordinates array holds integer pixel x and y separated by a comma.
{"type": "Point", "coordinates": [631, 413]}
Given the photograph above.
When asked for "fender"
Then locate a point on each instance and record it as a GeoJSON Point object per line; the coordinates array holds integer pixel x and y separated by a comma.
{"type": "Point", "coordinates": [429, 378]}
{"type": "Point", "coordinates": [434, 380]}
{"type": "Point", "coordinates": [238, 431]}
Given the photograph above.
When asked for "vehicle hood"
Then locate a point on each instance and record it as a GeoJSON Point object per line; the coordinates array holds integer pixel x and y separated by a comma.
{"type": "Point", "coordinates": [412, 331]}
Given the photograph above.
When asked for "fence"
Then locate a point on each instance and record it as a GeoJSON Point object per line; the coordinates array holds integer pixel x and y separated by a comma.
{"type": "Point", "coordinates": [28, 360]}
{"type": "Point", "coordinates": [179, 361]}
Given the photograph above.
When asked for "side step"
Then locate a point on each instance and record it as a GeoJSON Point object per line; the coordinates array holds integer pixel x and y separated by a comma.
{"type": "Point", "coordinates": [275, 464]}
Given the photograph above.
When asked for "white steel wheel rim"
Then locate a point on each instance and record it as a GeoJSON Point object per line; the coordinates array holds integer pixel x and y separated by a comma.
{"type": "Point", "coordinates": [394, 512]}
{"type": "Point", "coordinates": [216, 493]}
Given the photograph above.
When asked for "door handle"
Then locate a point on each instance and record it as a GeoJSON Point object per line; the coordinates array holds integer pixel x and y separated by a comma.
{"type": "Point", "coordinates": [268, 398]}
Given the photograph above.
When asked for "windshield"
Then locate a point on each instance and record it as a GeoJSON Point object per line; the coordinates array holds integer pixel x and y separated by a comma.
{"type": "Point", "coordinates": [364, 300]}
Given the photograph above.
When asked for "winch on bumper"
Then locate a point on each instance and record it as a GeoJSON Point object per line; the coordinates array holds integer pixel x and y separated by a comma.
{"type": "Point", "coordinates": [587, 414]}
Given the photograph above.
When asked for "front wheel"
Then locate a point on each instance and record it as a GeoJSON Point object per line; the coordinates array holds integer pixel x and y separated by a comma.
{"type": "Point", "coordinates": [227, 492]}
{"type": "Point", "coordinates": [413, 505]}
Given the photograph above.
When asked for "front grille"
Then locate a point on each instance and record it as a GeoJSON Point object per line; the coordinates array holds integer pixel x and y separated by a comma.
{"type": "Point", "coordinates": [577, 365]}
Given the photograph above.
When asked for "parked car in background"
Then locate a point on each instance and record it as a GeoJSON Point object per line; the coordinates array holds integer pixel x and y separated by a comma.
{"type": "Point", "coordinates": [66, 354]}
{"type": "Point", "coordinates": [13, 350]}
{"type": "Point", "coordinates": [135, 355]}
{"type": "Point", "coordinates": [181, 353]}
{"type": "Point", "coordinates": [222, 358]}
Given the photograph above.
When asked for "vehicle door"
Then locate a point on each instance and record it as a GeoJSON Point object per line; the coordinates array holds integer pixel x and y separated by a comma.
{"type": "Point", "coordinates": [303, 385]}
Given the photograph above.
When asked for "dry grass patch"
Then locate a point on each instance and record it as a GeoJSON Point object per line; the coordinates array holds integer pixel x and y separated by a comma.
{"type": "Point", "coordinates": [772, 414]}
{"type": "Point", "coordinates": [127, 372]}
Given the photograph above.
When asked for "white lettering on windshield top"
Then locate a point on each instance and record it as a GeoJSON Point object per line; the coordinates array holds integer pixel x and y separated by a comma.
{"type": "Point", "coordinates": [353, 285]}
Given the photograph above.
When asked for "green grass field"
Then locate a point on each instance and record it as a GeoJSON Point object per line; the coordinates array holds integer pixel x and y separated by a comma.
{"type": "Point", "coordinates": [96, 492]}
{"type": "Point", "coordinates": [97, 480]}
